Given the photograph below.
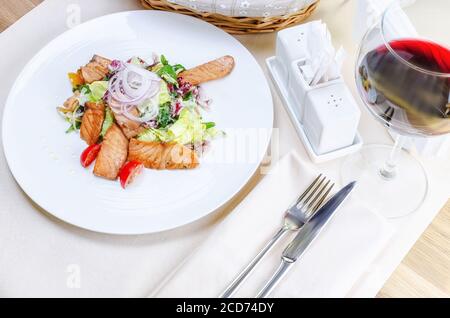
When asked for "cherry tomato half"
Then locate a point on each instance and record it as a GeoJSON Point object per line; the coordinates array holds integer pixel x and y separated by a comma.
{"type": "Point", "coordinates": [89, 155]}
{"type": "Point", "coordinates": [129, 171]}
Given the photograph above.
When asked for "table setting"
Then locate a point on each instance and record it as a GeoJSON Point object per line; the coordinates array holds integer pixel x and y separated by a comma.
{"type": "Point", "coordinates": [282, 149]}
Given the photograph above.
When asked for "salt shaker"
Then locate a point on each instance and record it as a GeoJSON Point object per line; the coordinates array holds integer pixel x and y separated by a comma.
{"type": "Point", "coordinates": [331, 117]}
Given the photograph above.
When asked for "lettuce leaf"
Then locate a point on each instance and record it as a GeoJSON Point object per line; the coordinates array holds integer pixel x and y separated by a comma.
{"type": "Point", "coordinates": [151, 134]}
{"type": "Point", "coordinates": [188, 129]}
{"type": "Point", "coordinates": [97, 91]}
{"type": "Point", "coordinates": [164, 96]}
{"type": "Point", "coordinates": [92, 92]}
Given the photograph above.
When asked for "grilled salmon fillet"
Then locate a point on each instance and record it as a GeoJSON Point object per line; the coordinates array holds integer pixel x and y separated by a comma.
{"type": "Point", "coordinates": [95, 70]}
{"type": "Point", "coordinates": [157, 155]}
{"type": "Point", "coordinates": [129, 128]}
{"type": "Point", "coordinates": [216, 69]}
{"type": "Point", "coordinates": [112, 155]}
{"type": "Point", "coordinates": [91, 124]}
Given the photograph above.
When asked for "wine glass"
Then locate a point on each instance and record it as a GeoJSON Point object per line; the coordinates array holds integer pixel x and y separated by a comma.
{"type": "Point", "coordinates": [403, 78]}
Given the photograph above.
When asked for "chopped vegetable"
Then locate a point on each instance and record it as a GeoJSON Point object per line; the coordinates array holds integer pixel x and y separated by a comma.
{"type": "Point", "coordinates": [152, 134]}
{"type": "Point", "coordinates": [209, 125]}
{"type": "Point", "coordinates": [155, 68]}
{"type": "Point", "coordinates": [133, 87]}
{"type": "Point", "coordinates": [164, 60]}
{"type": "Point", "coordinates": [97, 90]}
{"type": "Point", "coordinates": [189, 103]}
{"type": "Point", "coordinates": [138, 62]}
{"type": "Point", "coordinates": [148, 135]}
{"type": "Point", "coordinates": [189, 128]}
{"type": "Point", "coordinates": [178, 68]}
{"type": "Point", "coordinates": [74, 127]}
{"type": "Point", "coordinates": [92, 92]}
{"type": "Point", "coordinates": [212, 133]}
{"type": "Point", "coordinates": [149, 109]}
{"type": "Point", "coordinates": [164, 94]}
{"type": "Point", "coordinates": [168, 72]}
{"type": "Point", "coordinates": [164, 117]}
{"type": "Point", "coordinates": [89, 155]}
{"type": "Point", "coordinates": [129, 171]}
{"type": "Point", "coordinates": [72, 116]}
{"type": "Point", "coordinates": [76, 79]}
{"type": "Point", "coordinates": [107, 123]}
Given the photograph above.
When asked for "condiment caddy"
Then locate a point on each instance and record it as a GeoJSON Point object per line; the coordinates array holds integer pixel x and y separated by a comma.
{"type": "Point", "coordinates": [320, 105]}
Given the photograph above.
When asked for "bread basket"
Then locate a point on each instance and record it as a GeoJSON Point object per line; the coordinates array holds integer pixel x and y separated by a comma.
{"type": "Point", "coordinates": [241, 16]}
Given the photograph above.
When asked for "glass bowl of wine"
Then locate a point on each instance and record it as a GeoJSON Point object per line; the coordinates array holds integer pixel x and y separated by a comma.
{"type": "Point", "coordinates": [403, 78]}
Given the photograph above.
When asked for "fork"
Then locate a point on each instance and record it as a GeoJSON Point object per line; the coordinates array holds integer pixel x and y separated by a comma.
{"type": "Point", "coordinates": [300, 212]}
{"type": "Point", "coordinates": [388, 114]}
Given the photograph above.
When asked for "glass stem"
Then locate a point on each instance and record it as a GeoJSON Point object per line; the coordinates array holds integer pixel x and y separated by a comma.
{"type": "Point", "coordinates": [389, 170]}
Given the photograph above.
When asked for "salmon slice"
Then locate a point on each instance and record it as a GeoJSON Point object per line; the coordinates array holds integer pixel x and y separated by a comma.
{"type": "Point", "coordinates": [103, 61]}
{"type": "Point", "coordinates": [129, 128]}
{"type": "Point", "coordinates": [91, 124]}
{"type": "Point", "coordinates": [157, 155]}
{"type": "Point", "coordinates": [96, 69]}
{"type": "Point", "coordinates": [112, 155]}
{"type": "Point", "coordinates": [216, 69]}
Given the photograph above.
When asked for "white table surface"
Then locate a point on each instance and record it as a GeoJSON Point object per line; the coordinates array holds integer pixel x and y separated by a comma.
{"type": "Point", "coordinates": [23, 39]}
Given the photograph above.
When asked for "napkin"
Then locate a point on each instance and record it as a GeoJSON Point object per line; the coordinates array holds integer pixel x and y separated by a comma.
{"type": "Point", "coordinates": [329, 268]}
{"type": "Point", "coordinates": [323, 63]}
{"type": "Point", "coordinates": [370, 12]}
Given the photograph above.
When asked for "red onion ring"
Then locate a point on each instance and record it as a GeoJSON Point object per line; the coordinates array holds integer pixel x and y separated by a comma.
{"type": "Point", "coordinates": [133, 84]}
{"type": "Point", "coordinates": [129, 87]}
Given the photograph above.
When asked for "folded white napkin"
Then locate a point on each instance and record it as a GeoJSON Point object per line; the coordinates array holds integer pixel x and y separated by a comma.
{"type": "Point", "coordinates": [329, 268]}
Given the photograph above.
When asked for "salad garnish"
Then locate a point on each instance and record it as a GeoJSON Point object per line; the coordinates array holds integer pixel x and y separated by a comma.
{"type": "Point", "coordinates": [151, 111]}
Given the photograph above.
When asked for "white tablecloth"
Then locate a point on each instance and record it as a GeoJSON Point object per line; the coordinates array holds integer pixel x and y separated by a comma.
{"type": "Point", "coordinates": [41, 256]}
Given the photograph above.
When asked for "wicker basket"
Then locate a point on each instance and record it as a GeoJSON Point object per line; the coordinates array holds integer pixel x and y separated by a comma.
{"type": "Point", "coordinates": [237, 25]}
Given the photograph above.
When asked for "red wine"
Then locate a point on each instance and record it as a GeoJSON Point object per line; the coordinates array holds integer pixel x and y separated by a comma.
{"type": "Point", "coordinates": [408, 85]}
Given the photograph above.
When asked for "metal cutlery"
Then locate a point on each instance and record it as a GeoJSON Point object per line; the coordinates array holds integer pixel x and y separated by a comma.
{"type": "Point", "coordinates": [299, 213]}
{"type": "Point", "coordinates": [307, 234]}
{"type": "Point", "coordinates": [388, 114]}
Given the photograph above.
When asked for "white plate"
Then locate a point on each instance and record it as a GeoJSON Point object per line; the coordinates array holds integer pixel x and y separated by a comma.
{"type": "Point", "coordinates": [45, 161]}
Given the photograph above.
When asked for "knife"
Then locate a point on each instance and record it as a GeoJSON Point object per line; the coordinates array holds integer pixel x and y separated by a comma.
{"type": "Point", "coordinates": [305, 237]}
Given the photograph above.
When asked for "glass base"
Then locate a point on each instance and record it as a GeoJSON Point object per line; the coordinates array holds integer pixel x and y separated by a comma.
{"type": "Point", "coordinates": [392, 197]}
